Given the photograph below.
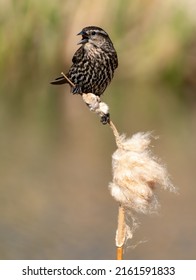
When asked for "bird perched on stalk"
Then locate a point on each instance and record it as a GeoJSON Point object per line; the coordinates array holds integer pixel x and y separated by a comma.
{"type": "Point", "coordinates": [93, 63]}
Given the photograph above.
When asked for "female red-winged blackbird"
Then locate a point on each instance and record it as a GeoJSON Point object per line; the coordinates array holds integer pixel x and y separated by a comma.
{"type": "Point", "coordinates": [93, 63]}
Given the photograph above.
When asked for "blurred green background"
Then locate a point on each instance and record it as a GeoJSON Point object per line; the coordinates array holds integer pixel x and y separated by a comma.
{"type": "Point", "coordinates": [55, 162]}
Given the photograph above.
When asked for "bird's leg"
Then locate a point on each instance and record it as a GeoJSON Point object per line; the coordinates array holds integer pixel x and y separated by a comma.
{"type": "Point", "coordinates": [76, 89]}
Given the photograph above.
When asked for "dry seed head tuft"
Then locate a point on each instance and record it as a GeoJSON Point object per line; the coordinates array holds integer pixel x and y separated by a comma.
{"type": "Point", "coordinates": [136, 173]}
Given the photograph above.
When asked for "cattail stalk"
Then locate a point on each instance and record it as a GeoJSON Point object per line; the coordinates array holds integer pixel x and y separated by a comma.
{"type": "Point", "coordinates": [121, 227]}
{"type": "Point", "coordinates": [136, 174]}
{"type": "Point", "coordinates": [120, 233]}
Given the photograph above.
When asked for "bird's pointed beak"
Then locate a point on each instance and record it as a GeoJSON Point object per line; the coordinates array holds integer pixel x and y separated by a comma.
{"type": "Point", "coordinates": [84, 37]}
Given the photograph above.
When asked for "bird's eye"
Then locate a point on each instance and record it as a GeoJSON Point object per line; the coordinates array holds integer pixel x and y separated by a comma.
{"type": "Point", "coordinates": [93, 33]}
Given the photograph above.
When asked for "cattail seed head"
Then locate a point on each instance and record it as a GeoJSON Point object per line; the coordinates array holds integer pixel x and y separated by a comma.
{"type": "Point", "coordinates": [136, 173]}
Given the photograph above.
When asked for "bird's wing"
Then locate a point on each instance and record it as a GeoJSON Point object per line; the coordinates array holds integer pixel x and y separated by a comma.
{"type": "Point", "coordinates": [78, 55]}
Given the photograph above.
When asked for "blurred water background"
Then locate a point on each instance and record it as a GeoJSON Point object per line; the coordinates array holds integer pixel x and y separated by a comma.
{"type": "Point", "coordinates": [55, 162]}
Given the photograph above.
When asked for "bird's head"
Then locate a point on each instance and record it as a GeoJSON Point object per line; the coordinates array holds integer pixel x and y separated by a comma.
{"type": "Point", "coordinates": [94, 35]}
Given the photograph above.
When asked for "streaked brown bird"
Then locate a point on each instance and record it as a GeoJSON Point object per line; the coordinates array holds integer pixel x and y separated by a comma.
{"type": "Point", "coordinates": [93, 63]}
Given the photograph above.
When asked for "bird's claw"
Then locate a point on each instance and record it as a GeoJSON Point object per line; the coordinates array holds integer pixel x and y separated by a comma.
{"type": "Point", "coordinates": [76, 90]}
{"type": "Point", "coordinates": [105, 119]}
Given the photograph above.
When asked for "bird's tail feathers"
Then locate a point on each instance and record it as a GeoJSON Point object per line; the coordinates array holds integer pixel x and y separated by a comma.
{"type": "Point", "coordinates": [59, 81]}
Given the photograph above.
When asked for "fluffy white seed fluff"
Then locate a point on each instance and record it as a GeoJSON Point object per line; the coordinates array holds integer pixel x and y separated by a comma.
{"type": "Point", "coordinates": [136, 173]}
